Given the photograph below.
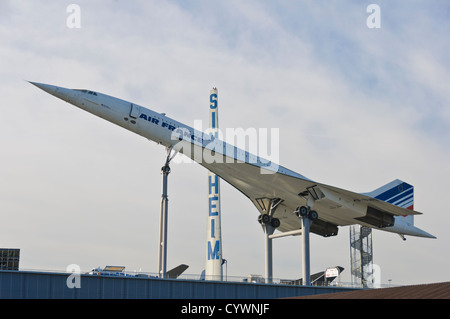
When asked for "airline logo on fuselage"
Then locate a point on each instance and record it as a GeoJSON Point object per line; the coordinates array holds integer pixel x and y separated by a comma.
{"type": "Point", "coordinates": [182, 132]}
{"type": "Point", "coordinates": [156, 121]}
{"type": "Point", "coordinates": [212, 143]}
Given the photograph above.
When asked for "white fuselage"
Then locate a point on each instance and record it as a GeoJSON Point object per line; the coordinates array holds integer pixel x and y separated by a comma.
{"type": "Point", "coordinates": [158, 127]}
{"type": "Point", "coordinates": [166, 131]}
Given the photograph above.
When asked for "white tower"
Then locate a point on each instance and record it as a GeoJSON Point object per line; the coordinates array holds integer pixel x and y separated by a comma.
{"type": "Point", "coordinates": [213, 269]}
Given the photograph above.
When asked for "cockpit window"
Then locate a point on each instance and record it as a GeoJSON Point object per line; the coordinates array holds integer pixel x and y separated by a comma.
{"type": "Point", "coordinates": [88, 92]}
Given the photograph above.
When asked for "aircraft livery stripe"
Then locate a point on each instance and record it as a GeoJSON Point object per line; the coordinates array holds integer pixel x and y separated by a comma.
{"type": "Point", "coordinates": [393, 192]}
{"type": "Point", "coordinates": [401, 196]}
{"type": "Point", "coordinates": [401, 201]}
{"type": "Point", "coordinates": [406, 203]}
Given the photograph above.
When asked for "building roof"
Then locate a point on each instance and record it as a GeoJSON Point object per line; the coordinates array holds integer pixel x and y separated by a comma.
{"type": "Point", "coordinates": [425, 291]}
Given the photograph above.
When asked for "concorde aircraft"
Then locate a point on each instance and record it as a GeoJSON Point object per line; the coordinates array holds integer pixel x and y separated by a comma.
{"type": "Point", "coordinates": [281, 196]}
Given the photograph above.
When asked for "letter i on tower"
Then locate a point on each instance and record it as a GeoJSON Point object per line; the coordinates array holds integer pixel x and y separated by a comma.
{"type": "Point", "coordinates": [213, 268]}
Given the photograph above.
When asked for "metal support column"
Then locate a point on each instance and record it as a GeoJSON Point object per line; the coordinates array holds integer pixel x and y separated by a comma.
{"type": "Point", "coordinates": [306, 272]}
{"type": "Point", "coordinates": [307, 217]}
{"type": "Point", "coordinates": [268, 273]}
{"type": "Point", "coordinates": [269, 223]}
{"type": "Point", "coordinates": [162, 248]}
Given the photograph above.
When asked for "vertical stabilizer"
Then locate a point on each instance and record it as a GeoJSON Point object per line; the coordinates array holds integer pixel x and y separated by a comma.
{"type": "Point", "coordinates": [400, 194]}
{"type": "Point", "coordinates": [397, 193]}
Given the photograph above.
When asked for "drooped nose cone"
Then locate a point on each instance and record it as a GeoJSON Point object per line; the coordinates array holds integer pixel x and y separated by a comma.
{"type": "Point", "coordinates": [67, 95]}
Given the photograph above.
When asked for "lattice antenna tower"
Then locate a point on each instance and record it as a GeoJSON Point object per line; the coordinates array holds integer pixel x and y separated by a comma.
{"type": "Point", "coordinates": [361, 256]}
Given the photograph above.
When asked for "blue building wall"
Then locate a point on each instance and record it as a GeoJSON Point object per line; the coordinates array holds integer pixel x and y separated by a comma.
{"type": "Point", "coordinates": [42, 285]}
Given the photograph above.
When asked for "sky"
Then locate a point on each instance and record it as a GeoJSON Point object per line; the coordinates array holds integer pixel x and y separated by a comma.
{"type": "Point", "coordinates": [356, 107]}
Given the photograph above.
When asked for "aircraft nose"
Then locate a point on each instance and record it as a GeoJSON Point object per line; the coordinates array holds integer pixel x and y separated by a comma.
{"type": "Point", "coordinates": [64, 94]}
{"type": "Point", "coordinates": [45, 87]}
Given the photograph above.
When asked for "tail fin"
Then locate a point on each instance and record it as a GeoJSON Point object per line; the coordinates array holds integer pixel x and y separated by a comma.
{"type": "Point", "coordinates": [397, 193]}
{"type": "Point", "coordinates": [400, 194]}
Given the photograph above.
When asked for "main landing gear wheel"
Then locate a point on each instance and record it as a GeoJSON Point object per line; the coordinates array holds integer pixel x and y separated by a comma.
{"type": "Point", "coordinates": [275, 222]}
{"type": "Point", "coordinates": [304, 211]}
{"type": "Point", "coordinates": [265, 219]}
{"type": "Point", "coordinates": [313, 215]}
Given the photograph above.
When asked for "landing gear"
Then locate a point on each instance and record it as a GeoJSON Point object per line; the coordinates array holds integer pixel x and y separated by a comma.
{"type": "Point", "coordinates": [275, 222]}
{"type": "Point", "coordinates": [304, 211]}
{"type": "Point", "coordinates": [313, 215]}
{"type": "Point", "coordinates": [265, 219]}
{"type": "Point", "coordinates": [269, 224]}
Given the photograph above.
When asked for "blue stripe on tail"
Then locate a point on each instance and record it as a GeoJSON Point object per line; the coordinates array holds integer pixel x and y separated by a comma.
{"type": "Point", "coordinates": [397, 193]}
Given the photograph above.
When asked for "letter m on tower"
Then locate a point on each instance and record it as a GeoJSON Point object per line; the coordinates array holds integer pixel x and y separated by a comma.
{"type": "Point", "coordinates": [213, 253]}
